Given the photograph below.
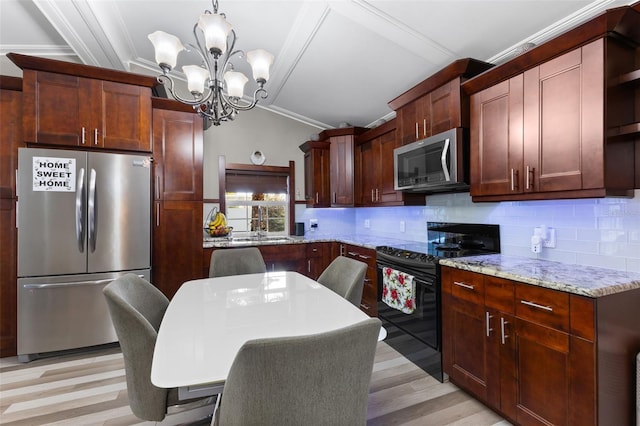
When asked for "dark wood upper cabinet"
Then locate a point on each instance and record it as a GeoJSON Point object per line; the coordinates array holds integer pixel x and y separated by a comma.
{"type": "Point", "coordinates": [437, 104]}
{"type": "Point", "coordinates": [177, 151]}
{"type": "Point", "coordinates": [374, 169]}
{"type": "Point", "coordinates": [77, 105]}
{"type": "Point", "coordinates": [317, 160]}
{"type": "Point", "coordinates": [562, 120]}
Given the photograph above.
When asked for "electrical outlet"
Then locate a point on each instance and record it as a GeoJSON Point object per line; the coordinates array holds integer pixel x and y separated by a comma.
{"type": "Point", "coordinates": [550, 241]}
{"type": "Point", "coordinates": [367, 223]}
{"type": "Point", "coordinates": [313, 223]}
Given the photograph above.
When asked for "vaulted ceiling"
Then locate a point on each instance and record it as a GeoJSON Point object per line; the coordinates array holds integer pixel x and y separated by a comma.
{"type": "Point", "coordinates": [336, 61]}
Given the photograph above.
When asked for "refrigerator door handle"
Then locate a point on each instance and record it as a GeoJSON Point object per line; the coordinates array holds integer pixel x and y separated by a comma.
{"type": "Point", "coordinates": [80, 203]}
{"type": "Point", "coordinates": [92, 210]}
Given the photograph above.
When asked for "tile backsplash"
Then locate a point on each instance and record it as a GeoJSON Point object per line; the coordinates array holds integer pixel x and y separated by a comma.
{"type": "Point", "coordinates": [596, 232]}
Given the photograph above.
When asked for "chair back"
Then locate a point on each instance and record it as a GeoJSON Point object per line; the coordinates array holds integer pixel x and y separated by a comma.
{"type": "Point", "coordinates": [345, 276]}
{"type": "Point", "coordinates": [136, 308]}
{"type": "Point", "coordinates": [315, 379]}
{"type": "Point", "coordinates": [238, 261]}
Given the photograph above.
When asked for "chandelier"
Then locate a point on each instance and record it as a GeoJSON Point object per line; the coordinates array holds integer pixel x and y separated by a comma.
{"type": "Point", "coordinates": [217, 90]}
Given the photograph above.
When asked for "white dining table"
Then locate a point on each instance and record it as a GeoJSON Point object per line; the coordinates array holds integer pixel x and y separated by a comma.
{"type": "Point", "coordinates": [208, 320]}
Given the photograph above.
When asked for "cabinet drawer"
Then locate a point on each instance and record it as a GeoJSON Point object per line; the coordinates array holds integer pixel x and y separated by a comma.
{"type": "Point", "coordinates": [543, 306]}
{"type": "Point", "coordinates": [315, 249]}
{"type": "Point", "coordinates": [468, 286]}
{"type": "Point", "coordinates": [362, 254]}
{"type": "Point", "coordinates": [499, 294]}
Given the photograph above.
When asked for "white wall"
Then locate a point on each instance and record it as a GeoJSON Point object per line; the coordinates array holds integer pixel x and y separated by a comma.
{"type": "Point", "coordinates": [278, 137]}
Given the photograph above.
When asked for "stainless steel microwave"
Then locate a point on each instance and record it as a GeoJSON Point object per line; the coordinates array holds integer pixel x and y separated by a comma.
{"type": "Point", "coordinates": [436, 164]}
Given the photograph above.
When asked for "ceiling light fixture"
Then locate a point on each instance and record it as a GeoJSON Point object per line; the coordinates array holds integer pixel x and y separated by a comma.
{"type": "Point", "coordinates": [217, 89]}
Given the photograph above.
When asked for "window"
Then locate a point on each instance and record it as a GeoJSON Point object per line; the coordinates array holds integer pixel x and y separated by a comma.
{"type": "Point", "coordinates": [267, 212]}
{"type": "Point", "coordinates": [257, 198]}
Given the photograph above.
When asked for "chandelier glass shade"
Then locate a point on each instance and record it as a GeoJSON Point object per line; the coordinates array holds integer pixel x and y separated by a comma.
{"type": "Point", "coordinates": [217, 90]}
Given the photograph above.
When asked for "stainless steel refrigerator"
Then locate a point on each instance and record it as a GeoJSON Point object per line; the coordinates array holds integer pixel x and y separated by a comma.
{"type": "Point", "coordinates": [83, 220]}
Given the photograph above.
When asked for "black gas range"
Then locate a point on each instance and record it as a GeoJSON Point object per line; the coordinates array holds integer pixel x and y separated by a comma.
{"type": "Point", "coordinates": [418, 335]}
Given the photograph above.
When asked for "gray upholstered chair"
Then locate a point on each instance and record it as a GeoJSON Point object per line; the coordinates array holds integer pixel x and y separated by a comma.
{"type": "Point", "coordinates": [136, 308]}
{"type": "Point", "coordinates": [345, 276]}
{"type": "Point", "coordinates": [321, 379]}
{"type": "Point", "coordinates": [238, 261]}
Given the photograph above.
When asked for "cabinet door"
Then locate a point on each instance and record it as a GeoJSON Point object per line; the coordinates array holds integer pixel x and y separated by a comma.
{"type": "Point", "coordinates": [542, 366]}
{"type": "Point", "coordinates": [8, 277]}
{"type": "Point", "coordinates": [177, 153]}
{"type": "Point", "coordinates": [342, 171]}
{"type": "Point", "coordinates": [563, 112]}
{"type": "Point", "coordinates": [496, 139]}
{"type": "Point", "coordinates": [177, 244]}
{"type": "Point", "coordinates": [10, 140]}
{"type": "Point", "coordinates": [368, 170]}
{"type": "Point", "coordinates": [315, 259]}
{"type": "Point", "coordinates": [444, 108]}
{"type": "Point", "coordinates": [316, 177]}
{"type": "Point", "coordinates": [124, 121]}
{"type": "Point", "coordinates": [386, 191]}
{"type": "Point", "coordinates": [57, 108]}
{"type": "Point", "coordinates": [284, 257]}
{"type": "Point", "coordinates": [369, 303]}
{"type": "Point", "coordinates": [408, 123]}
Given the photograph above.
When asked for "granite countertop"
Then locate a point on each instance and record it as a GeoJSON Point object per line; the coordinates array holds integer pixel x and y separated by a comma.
{"type": "Point", "coordinates": [578, 279]}
{"type": "Point", "coordinates": [366, 241]}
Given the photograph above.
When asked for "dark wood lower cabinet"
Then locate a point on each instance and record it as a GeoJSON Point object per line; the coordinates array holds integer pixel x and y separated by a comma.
{"type": "Point", "coordinates": [541, 356]}
{"type": "Point", "coordinates": [8, 280]}
{"type": "Point", "coordinates": [177, 245]}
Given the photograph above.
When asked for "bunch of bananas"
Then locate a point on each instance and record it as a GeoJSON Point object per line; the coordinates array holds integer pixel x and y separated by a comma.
{"type": "Point", "coordinates": [218, 225]}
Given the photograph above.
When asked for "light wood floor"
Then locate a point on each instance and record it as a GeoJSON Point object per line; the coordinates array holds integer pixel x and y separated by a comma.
{"type": "Point", "coordinates": [90, 389]}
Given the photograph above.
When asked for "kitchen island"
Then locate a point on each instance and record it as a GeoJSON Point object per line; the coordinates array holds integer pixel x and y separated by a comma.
{"type": "Point", "coordinates": [543, 342]}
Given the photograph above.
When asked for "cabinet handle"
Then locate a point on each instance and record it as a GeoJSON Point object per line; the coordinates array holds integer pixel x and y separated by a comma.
{"type": "Point", "coordinates": [365, 306]}
{"type": "Point", "coordinates": [157, 215]}
{"type": "Point", "coordinates": [334, 198]}
{"type": "Point", "coordinates": [341, 249]}
{"type": "Point", "coordinates": [530, 174]}
{"type": "Point", "coordinates": [352, 253]}
{"type": "Point", "coordinates": [488, 317]}
{"type": "Point", "coordinates": [95, 136]}
{"type": "Point", "coordinates": [363, 256]}
{"type": "Point", "coordinates": [309, 266]}
{"type": "Point", "coordinates": [512, 181]}
{"type": "Point", "coordinates": [535, 305]}
{"type": "Point", "coordinates": [367, 280]}
{"type": "Point", "coordinates": [463, 285]}
{"type": "Point", "coordinates": [83, 136]}
{"type": "Point", "coordinates": [424, 127]}
{"type": "Point", "coordinates": [315, 250]}
{"type": "Point", "coordinates": [503, 336]}
{"type": "Point", "coordinates": [372, 196]}
{"type": "Point", "coordinates": [157, 187]}
{"type": "Point", "coordinates": [417, 134]}
{"type": "Point", "coordinates": [317, 198]}
{"type": "Point", "coordinates": [377, 195]}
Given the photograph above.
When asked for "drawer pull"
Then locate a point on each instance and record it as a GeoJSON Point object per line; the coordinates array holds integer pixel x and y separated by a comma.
{"type": "Point", "coordinates": [535, 305]}
{"type": "Point", "coordinates": [352, 253]}
{"type": "Point", "coordinates": [488, 317]}
{"type": "Point", "coordinates": [463, 285]}
{"type": "Point", "coordinates": [503, 336]}
{"type": "Point", "coordinates": [365, 306]}
{"type": "Point", "coordinates": [362, 256]}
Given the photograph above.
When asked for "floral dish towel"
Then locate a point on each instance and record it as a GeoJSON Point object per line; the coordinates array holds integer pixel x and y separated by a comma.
{"type": "Point", "coordinates": [398, 290]}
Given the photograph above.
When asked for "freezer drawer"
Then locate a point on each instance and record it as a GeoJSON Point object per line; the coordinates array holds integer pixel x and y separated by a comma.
{"type": "Point", "coordinates": [64, 312]}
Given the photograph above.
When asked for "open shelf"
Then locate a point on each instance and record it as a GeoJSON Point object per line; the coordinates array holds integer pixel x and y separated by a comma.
{"type": "Point", "coordinates": [622, 131]}
{"type": "Point", "coordinates": [632, 77]}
